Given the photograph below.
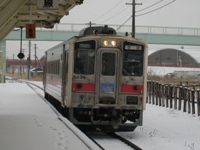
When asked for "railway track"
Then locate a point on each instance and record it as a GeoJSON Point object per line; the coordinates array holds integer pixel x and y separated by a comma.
{"type": "Point", "coordinates": [108, 140]}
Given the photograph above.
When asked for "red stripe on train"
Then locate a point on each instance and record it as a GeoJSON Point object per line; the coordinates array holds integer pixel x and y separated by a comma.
{"type": "Point", "coordinates": [133, 89]}
{"type": "Point", "coordinates": [83, 87]}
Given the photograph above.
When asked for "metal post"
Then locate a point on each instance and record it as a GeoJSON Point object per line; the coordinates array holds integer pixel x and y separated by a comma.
{"type": "Point", "coordinates": [21, 52]}
{"type": "Point", "coordinates": [35, 54]}
{"type": "Point", "coordinates": [29, 60]}
{"type": "Point", "coordinates": [13, 69]}
{"type": "Point", "coordinates": [177, 58]}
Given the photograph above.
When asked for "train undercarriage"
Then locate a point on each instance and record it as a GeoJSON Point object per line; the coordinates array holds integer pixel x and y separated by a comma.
{"type": "Point", "coordinates": [105, 119]}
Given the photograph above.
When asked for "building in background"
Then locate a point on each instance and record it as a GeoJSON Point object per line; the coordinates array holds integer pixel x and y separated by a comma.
{"type": "Point", "coordinates": [174, 58]}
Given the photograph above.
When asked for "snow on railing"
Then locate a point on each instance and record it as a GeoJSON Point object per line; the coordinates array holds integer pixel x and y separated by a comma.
{"type": "Point", "coordinates": [76, 27]}
{"type": "Point", "coordinates": [185, 97]}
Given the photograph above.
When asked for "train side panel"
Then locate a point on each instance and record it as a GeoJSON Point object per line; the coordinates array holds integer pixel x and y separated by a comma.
{"type": "Point", "coordinates": [55, 59]}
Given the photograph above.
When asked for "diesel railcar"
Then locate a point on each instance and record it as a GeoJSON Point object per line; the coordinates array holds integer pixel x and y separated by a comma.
{"type": "Point", "coordinates": [98, 79]}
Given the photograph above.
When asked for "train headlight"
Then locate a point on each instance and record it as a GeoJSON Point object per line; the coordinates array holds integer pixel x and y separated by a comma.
{"type": "Point", "coordinates": [105, 43]}
{"type": "Point", "coordinates": [109, 43]}
{"type": "Point", "coordinates": [132, 100]}
{"type": "Point", "coordinates": [113, 43]}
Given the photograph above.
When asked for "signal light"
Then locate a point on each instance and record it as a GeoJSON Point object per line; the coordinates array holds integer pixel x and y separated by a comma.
{"type": "Point", "coordinates": [20, 55]}
{"type": "Point", "coordinates": [30, 30]}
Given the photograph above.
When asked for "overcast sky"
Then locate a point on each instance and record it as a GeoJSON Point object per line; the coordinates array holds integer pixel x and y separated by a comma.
{"type": "Point", "coordinates": [168, 13]}
{"type": "Point", "coordinates": [175, 13]}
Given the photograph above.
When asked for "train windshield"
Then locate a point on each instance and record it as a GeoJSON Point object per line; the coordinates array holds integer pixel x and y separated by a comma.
{"type": "Point", "coordinates": [108, 64]}
{"type": "Point", "coordinates": [133, 60]}
{"type": "Point", "coordinates": [84, 57]}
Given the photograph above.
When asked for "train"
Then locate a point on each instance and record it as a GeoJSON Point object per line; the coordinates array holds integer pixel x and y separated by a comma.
{"type": "Point", "coordinates": [98, 79]}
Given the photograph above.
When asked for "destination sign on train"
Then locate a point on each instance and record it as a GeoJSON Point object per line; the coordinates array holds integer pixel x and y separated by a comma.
{"type": "Point", "coordinates": [133, 47]}
{"type": "Point", "coordinates": [86, 45]}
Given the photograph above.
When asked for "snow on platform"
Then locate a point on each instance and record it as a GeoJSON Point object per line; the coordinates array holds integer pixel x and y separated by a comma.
{"type": "Point", "coordinates": [27, 122]}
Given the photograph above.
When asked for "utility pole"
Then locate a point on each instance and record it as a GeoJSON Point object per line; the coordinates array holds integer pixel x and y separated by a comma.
{"type": "Point", "coordinates": [13, 69]}
{"type": "Point", "coordinates": [29, 59]}
{"type": "Point", "coordinates": [35, 54]}
{"type": "Point", "coordinates": [133, 16]}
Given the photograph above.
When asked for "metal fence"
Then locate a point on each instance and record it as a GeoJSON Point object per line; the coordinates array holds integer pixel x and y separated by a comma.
{"type": "Point", "coordinates": [75, 27]}
{"type": "Point", "coordinates": [180, 97]}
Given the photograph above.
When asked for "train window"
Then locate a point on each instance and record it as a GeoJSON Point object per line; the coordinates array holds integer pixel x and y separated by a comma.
{"type": "Point", "coordinates": [58, 65]}
{"type": "Point", "coordinates": [53, 67]}
{"type": "Point", "coordinates": [84, 57]}
{"type": "Point", "coordinates": [108, 64]}
{"type": "Point", "coordinates": [133, 61]}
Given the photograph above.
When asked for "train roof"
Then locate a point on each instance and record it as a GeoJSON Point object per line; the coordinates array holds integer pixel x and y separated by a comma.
{"type": "Point", "coordinates": [97, 30]}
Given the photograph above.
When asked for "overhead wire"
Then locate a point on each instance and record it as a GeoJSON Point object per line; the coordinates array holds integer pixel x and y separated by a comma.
{"type": "Point", "coordinates": [145, 8]}
{"type": "Point", "coordinates": [150, 6]}
{"type": "Point", "coordinates": [156, 9]}
{"type": "Point", "coordinates": [120, 11]}
{"type": "Point", "coordinates": [117, 13]}
{"type": "Point", "coordinates": [107, 12]}
{"type": "Point", "coordinates": [146, 13]}
{"type": "Point", "coordinates": [124, 23]}
{"type": "Point", "coordinates": [120, 19]}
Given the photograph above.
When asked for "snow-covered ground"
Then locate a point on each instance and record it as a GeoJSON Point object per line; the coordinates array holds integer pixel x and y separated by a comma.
{"type": "Point", "coordinates": [167, 129]}
{"type": "Point", "coordinates": [27, 122]}
{"type": "Point", "coordinates": [162, 71]}
{"type": "Point", "coordinates": [163, 128]}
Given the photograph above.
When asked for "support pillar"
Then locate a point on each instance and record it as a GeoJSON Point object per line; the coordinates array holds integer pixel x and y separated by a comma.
{"type": "Point", "coordinates": [2, 61]}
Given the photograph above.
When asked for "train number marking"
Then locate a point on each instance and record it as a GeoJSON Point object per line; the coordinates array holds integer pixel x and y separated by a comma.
{"type": "Point", "coordinates": [78, 77]}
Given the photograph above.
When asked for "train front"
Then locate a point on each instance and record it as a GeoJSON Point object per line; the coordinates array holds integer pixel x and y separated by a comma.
{"type": "Point", "coordinates": [109, 82]}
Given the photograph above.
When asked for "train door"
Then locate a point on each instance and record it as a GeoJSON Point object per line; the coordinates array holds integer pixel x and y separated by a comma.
{"type": "Point", "coordinates": [64, 62]}
{"type": "Point", "coordinates": [64, 67]}
{"type": "Point", "coordinates": [107, 76]}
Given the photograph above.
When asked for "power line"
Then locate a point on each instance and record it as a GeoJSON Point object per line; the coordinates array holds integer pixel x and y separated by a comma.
{"type": "Point", "coordinates": [124, 23]}
{"type": "Point", "coordinates": [138, 10]}
{"type": "Point", "coordinates": [149, 6]}
{"type": "Point", "coordinates": [156, 9]}
{"type": "Point", "coordinates": [107, 12]}
{"type": "Point", "coordinates": [121, 18]}
{"type": "Point", "coordinates": [116, 14]}
{"type": "Point", "coordinates": [146, 13]}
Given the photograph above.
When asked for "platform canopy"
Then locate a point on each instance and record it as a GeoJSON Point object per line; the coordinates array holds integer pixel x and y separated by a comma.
{"type": "Point", "coordinates": [43, 13]}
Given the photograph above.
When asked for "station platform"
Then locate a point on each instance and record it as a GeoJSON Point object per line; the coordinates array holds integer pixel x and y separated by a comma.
{"type": "Point", "coordinates": [28, 122]}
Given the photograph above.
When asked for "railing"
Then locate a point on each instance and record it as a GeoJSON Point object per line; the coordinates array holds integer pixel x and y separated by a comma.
{"type": "Point", "coordinates": [75, 27]}
{"type": "Point", "coordinates": [181, 97]}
